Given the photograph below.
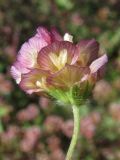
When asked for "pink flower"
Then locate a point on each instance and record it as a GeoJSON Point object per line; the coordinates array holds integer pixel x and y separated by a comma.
{"type": "Point", "coordinates": [50, 64]}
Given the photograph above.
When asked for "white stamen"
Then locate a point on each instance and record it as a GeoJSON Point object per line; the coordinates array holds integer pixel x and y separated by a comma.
{"type": "Point", "coordinates": [41, 83]}
{"type": "Point", "coordinates": [68, 37]}
{"type": "Point", "coordinates": [38, 84]}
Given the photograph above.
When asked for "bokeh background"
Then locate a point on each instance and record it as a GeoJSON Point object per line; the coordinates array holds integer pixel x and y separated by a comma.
{"type": "Point", "coordinates": [36, 128]}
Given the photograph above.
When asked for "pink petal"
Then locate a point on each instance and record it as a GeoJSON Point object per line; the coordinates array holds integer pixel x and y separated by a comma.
{"type": "Point", "coordinates": [68, 76]}
{"type": "Point", "coordinates": [43, 57]}
{"type": "Point", "coordinates": [44, 34]}
{"type": "Point", "coordinates": [55, 36]}
{"type": "Point", "coordinates": [17, 70]}
{"type": "Point", "coordinates": [16, 74]}
{"type": "Point", "coordinates": [98, 63]}
{"type": "Point", "coordinates": [49, 37]}
{"type": "Point", "coordinates": [28, 81]}
{"type": "Point", "coordinates": [88, 51]}
{"type": "Point", "coordinates": [28, 53]}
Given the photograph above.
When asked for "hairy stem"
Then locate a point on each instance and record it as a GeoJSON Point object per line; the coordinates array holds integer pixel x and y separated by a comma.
{"type": "Point", "coordinates": [73, 143]}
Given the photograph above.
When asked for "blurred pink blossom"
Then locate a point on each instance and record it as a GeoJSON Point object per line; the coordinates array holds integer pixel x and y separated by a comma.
{"type": "Point", "coordinates": [89, 124]}
{"type": "Point", "coordinates": [31, 137]}
{"type": "Point", "coordinates": [44, 102]}
{"type": "Point", "coordinates": [53, 124]}
{"type": "Point", "coordinates": [116, 83]}
{"type": "Point", "coordinates": [53, 143]}
{"type": "Point", "coordinates": [5, 85]}
{"type": "Point", "coordinates": [114, 109]}
{"type": "Point", "coordinates": [10, 134]}
{"type": "Point", "coordinates": [29, 113]}
{"type": "Point", "coordinates": [101, 96]}
{"type": "Point", "coordinates": [67, 128]}
{"type": "Point", "coordinates": [57, 154]}
{"type": "Point", "coordinates": [43, 156]}
{"type": "Point", "coordinates": [76, 19]}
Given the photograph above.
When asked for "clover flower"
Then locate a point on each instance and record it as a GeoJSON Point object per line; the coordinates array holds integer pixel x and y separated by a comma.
{"type": "Point", "coordinates": [50, 64]}
{"type": "Point", "coordinates": [53, 65]}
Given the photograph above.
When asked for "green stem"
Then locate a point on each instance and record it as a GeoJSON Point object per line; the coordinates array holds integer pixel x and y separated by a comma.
{"type": "Point", "coordinates": [73, 143]}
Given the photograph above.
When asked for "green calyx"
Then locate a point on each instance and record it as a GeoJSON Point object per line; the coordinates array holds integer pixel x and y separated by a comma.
{"type": "Point", "coordinates": [76, 95]}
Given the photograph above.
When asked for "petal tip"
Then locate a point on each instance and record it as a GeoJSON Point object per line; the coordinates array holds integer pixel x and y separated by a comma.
{"type": "Point", "coordinates": [98, 63]}
{"type": "Point", "coordinates": [16, 74]}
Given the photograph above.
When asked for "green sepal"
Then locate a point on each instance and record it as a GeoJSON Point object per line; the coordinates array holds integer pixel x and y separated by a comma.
{"type": "Point", "coordinates": [76, 95]}
{"type": "Point", "coordinates": [59, 95]}
{"type": "Point", "coordinates": [80, 93]}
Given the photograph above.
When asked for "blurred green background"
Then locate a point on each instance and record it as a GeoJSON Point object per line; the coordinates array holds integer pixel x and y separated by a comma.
{"type": "Point", "coordinates": [35, 128]}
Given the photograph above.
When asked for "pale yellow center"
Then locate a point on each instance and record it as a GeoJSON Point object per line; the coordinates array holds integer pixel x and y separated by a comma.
{"type": "Point", "coordinates": [41, 83]}
{"type": "Point", "coordinates": [60, 60]}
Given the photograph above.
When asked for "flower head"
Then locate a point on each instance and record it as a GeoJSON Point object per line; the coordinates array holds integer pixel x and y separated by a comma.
{"type": "Point", "coordinates": [48, 63]}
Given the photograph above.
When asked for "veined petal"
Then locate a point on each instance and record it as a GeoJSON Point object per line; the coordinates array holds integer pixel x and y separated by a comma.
{"type": "Point", "coordinates": [49, 37]}
{"type": "Point", "coordinates": [55, 36]}
{"type": "Point", "coordinates": [16, 74]}
{"type": "Point", "coordinates": [44, 34]}
{"type": "Point", "coordinates": [88, 51]}
{"type": "Point", "coordinates": [17, 70]}
{"type": "Point", "coordinates": [28, 53]}
{"type": "Point", "coordinates": [68, 76]}
{"type": "Point", "coordinates": [98, 63]}
{"type": "Point", "coordinates": [34, 81]}
{"type": "Point", "coordinates": [97, 69]}
{"type": "Point", "coordinates": [55, 56]}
